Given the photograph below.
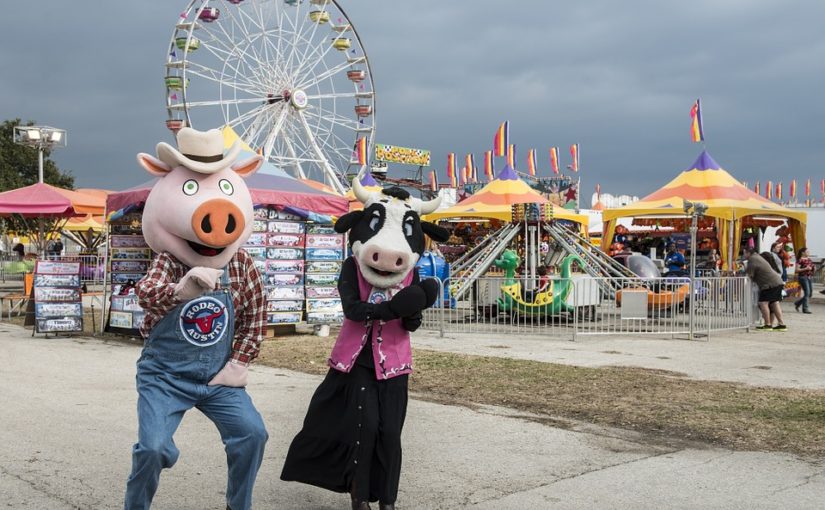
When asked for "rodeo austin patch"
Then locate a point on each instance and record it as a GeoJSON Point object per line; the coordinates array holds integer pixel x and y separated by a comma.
{"type": "Point", "coordinates": [204, 321]}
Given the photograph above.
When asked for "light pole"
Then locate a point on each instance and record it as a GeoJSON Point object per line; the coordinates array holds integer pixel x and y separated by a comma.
{"type": "Point", "coordinates": [696, 210]}
{"type": "Point", "coordinates": [41, 138]}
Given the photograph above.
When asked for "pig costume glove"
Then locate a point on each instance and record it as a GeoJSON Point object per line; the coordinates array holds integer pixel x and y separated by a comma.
{"type": "Point", "coordinates": [233, 374]}
{"type": "Point", "coordinates": [196, 282]}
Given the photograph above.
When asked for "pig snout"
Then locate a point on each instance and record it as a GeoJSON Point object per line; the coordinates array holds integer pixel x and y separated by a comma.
{"type": "Point", "coordinates": [386, 260]}
{"type": "Point", "coordinates": [218, 223]}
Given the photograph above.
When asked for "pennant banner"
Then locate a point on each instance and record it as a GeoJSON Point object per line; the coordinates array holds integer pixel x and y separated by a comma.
{"type": "Point", "coordinates": [531, 162]}
{"type": "Point", "coordinates": [433, 181]}
{"type": "Point", "coordinates": [361, 151]}
{"type": "Point", "coordinates": [502, 139]}
{"type": "Point", "coordinates": [489, 166]}
{"type": "Point", "coordinates": [554, 159]}
{"type": "Point", "coordinates": [574, 155]}
{"type": "Point", "coordinates": [697, 134]}
{"type": "Point", "coordinates": [511, 155]}
{"type": "Point", "coordinates": [451, 175]}
{"type": "Point", "coordinates": [470, 163]}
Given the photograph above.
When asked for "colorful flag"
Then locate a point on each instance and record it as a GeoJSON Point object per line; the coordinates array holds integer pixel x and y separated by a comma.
{"type": "Point", "coordinates": [779, 191]}
{"type": "Point", "coordinates": [792, 189]}
{"type": "Point", "coordinates": [502, 139]}
{"type": "Point", "coordinates": [451, 175]}
{"type": "Point", "coordinates": [598, 191]}
{"type": "Point", "coordinates": [511, 155]}
{"type": "Point", "coordinates": [470, 162]}
{"type": "Point", "coordinates": [822, 188]}
{"type": "Point", "coordinates": [808, 188]}
{"type": "Point", "coordinates": [489, 166]}
{"type": "Point", "coordinates": [361, 151]}
{"type": "Point", "coordinates": [531, 162]}
{"type": "Point", "coordinates": [769, 190]}
{"type": "Point", "coordinates": [433, 181]}
{"type": "Point", "coordinates": [757, 188]}
{"type": "Point", "coordinates": [554, 159]}
{"type": "Point", "coordinates": [697, 134]}
{"type": "Point", "coordinates": [574, 155]}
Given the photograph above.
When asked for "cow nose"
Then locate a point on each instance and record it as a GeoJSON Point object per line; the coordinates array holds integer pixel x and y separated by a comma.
{"type": "Point", "coordinates": [218, 223]}
{"type": "Point", "coordinates": [387, 260]}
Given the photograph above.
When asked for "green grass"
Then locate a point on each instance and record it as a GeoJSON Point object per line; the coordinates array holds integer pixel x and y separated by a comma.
{"type": "Point", "coordinates": [663, 404]}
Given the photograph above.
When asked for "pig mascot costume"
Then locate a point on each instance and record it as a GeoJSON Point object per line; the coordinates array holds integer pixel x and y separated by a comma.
{"type": "Point", "coordinates": [351, 438]}
{"type": "Point", "coordinates": [205, 313]}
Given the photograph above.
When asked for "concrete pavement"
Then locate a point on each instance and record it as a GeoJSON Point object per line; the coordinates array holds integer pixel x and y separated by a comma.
{"type": "Point", "coordinates": [67, 423]}
{"type": "Point", "coordinates": [792, 359]}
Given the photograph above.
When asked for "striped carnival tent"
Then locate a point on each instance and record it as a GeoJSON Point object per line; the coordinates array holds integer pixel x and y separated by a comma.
{"type": "Point", "coordinates": [731, 207]}
{"type": "Point", "coordinates": [496, 200]}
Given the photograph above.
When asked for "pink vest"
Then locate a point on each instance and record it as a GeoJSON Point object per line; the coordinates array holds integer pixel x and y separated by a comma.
{"type": "Point", "coordinates": [391, 352]}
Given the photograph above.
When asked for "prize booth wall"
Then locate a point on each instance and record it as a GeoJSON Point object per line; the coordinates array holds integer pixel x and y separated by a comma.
{"type": "Point", "coordinates": [296, 250]}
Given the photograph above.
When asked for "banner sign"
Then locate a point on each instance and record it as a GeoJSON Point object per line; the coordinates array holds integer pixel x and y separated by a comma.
{"type": "Point", "coordinates": [403, 155]}
{"type": "Point", "coordinates": [561, 191]}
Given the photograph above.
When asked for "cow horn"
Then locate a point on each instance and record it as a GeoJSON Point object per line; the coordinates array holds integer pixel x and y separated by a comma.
{"type": "Point", "coordinates": [429, 206]}
{"type": "Point", "coordinates": [360, 193]}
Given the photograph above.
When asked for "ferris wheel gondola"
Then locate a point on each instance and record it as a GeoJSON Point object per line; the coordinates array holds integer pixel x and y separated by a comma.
{"type": "Point", "coordinates": [290, 77]}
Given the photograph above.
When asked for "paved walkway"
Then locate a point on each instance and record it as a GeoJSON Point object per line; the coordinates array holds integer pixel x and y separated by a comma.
{"type": "Point", "coordinates": [68, 422]}
{"type": "Point", "coordinates": [793, 359]}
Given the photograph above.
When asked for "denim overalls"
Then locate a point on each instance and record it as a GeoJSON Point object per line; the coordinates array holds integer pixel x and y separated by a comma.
{"type": "Point", "coordinates": [184, 351]}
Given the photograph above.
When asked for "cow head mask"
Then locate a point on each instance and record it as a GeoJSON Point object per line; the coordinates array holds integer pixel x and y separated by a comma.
{"type": "Point", "coordinates": [200, 210]}
{"type": "Point", "coordinates": [387, 236]}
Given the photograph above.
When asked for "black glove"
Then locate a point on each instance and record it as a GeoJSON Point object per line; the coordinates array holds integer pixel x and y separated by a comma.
{"type": "Point", "coordinates": [408, 301]}
{"type": "Point", "coordinates": [430, 287]}
{"type": "Point", "coordinates": [411, 323]}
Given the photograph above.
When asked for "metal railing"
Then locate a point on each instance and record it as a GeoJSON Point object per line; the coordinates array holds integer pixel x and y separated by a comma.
{"type": "Point", "coordinates": [581, 307]}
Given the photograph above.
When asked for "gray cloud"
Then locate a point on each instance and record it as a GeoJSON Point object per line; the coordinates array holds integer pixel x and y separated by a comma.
{"type": "Point", "coordinates": [617, 77]}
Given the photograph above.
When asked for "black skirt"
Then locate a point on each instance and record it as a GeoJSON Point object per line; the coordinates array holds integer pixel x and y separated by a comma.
{"type": "Point", "coordinates": [352, 436]}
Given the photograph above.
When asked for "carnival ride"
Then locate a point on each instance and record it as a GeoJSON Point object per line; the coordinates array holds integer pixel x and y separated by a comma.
{"type": "Point", "coordinates": [291, 77]}
{"type": "Point", "coordinates": [662, 293]}
{"type": "Point", "coordinates": [550, 301]}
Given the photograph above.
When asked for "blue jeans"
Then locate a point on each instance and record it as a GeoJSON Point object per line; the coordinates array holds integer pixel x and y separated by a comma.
{"type": "Point", "coordinates": [807, 290]}
{"type": "Point", "coordinates": [180, 357]}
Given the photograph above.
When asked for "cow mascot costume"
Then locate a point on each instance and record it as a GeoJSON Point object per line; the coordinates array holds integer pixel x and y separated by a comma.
{"type": "Point", "coordinates": [351, 438]}
{"type": "Point", "coordinates": [205, 312]}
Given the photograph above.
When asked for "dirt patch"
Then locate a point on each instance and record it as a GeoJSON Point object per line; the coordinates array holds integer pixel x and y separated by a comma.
{"type": "Point", "coordinates": [660, 403]}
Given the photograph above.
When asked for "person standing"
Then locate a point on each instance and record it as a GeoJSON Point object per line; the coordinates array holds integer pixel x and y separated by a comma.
{"type": "Point", "coordinates": [770, 290]}
{"type": "Point", "coordinates": [778, 252]}
{"type": "Point", "coordinates": [804, 272]}
{"type": "Point", "coordinates": [674, 261]}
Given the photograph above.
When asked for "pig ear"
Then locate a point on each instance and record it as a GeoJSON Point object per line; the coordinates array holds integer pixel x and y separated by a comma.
{"type": "Point", "coordinates": [152, 165]}
{"type": "Point", "coordinates": [248, 167]}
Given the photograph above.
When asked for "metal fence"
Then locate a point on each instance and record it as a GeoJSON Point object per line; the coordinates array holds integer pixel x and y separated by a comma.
{"type": "Point", "coordinates": [583, 306]}
{"type": "Point", "coordinates": [13, 268]}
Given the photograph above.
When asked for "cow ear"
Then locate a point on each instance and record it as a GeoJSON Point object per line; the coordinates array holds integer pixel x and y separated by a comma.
{"type": "Point", "coordinates": [152, 165]}
{"type": "Point", "coordinates": [248, 167]}
{"type": "Point", "coordinates": [347, 221]}
{"type": "Point", "coordinates": [434, 232]}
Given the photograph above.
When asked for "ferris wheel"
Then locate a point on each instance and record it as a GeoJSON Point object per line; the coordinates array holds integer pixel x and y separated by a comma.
{"type": "Point", "coordinates": [290, 77]}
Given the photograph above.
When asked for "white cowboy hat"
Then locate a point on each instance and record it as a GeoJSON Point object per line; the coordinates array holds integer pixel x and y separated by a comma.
{"type": "Point", "coordinates": [199, 151]}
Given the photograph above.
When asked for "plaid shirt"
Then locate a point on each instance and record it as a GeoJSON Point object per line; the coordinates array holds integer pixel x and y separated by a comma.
{"type": "Point", "coordinates": [156, 295]}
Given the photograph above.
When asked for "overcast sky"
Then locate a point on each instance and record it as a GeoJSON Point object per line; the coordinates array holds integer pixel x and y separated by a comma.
{"type": "Point", "coordinates": [617, 77]}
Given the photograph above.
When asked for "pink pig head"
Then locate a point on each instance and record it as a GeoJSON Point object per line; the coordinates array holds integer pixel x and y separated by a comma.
{"type": "Point", "coordinates": [200, 210]}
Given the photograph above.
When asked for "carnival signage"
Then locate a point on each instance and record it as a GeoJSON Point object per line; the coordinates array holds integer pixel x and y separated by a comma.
{"type": "Point", "coordinates": [402, 155]}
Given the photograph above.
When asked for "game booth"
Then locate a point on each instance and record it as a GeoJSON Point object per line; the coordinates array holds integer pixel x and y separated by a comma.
{"type": "Point", "coordinates": [732, 209]}
{"type": "Point", "coordinates": [293, 244]}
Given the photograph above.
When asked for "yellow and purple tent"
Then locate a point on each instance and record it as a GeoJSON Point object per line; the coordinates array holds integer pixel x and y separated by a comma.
{"type": "Point", "coordinates": [729, 203]}
{"type": "Point", "coordinates": [496, 200]}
